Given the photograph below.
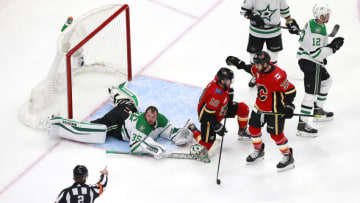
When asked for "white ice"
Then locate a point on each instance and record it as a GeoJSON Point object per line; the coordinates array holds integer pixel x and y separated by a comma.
{"type": "Point", "coordinates": [184, 41]}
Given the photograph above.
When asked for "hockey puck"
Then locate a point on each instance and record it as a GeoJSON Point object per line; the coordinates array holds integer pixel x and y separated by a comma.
{"type": "Point", "coordinates": [218, 181]}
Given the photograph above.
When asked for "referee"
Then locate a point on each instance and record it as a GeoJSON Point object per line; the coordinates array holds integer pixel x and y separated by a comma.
{"type": "Point", "coordinates": [81, 192]}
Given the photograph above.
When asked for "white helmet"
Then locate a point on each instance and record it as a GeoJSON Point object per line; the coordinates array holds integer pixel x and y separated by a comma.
{"type": "Point", "coordinates": [321, 9]}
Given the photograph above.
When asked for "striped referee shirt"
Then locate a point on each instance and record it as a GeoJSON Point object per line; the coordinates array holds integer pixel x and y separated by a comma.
{"type": "Point", "coordinates": [81, 192]}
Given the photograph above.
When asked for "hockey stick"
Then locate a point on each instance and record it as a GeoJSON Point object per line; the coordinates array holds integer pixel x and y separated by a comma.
{"type": "Point", "coordinates": [334, 30]}
{"type": "Point", "coordinates": [279, 26]}
{"type": "Point", "coordinates": [332, 33]}
{"type": "Point", "coordinates": [295, 114]}
{"type": "Point", "coordinates": [218, 181]}
{"type": "Point", "coordinates": [169, 155]}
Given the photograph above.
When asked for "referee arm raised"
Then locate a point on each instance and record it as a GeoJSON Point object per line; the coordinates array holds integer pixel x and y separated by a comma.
{"type": "Point", "coordinates": [81, 192]}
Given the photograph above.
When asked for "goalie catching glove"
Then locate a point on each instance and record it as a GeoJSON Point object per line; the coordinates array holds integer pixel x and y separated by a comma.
{"type": "Point", "coordinates": [181, 136]}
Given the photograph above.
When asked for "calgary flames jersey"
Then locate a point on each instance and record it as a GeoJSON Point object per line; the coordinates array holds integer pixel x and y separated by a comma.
{"type": "Point", "coordinates": [212, 103]}
{"type": "Point", "coordinates": [274, 90]}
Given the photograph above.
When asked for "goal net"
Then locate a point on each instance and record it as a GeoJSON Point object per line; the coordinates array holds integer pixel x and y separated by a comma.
{"type": "Point", "coordinates": [93, 53]}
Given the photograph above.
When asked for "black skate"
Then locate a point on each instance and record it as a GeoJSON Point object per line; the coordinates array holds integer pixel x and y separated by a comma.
{"type": "Point", "coordinates": [305, 130]}
{"type": "Point", "coordinates": [321, 115]}
{"type": "Point", "coordinates": [252, 82]}
{"type": "Point", "coordinates": [244, 135]}
{"type": "Point", "coordinates": [256, 156]}
{"type": "Point", "coordinates": [287, 162]}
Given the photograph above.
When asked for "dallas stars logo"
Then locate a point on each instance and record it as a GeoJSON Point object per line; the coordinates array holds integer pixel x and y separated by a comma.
{"type": "Point", "coordinates": [266, 13]}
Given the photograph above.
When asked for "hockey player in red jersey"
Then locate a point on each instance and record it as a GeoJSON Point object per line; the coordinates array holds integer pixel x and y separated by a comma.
{"type": "Point", "coordinates": [273, 105]}
{"type": "Point", "coordinates": [215, 103]}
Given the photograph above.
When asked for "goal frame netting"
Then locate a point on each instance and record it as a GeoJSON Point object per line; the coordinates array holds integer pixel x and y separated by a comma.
{"type": "Point", "coordinates": [34, 112]}
{"type": "Point", "coordinates": [124, 8]}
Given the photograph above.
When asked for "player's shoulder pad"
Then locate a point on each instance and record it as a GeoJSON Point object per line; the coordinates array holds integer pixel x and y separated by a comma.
{"type": "Point", "coordinates": [279, 75]}
{"type": "Point", "coordinates": [162, 121]}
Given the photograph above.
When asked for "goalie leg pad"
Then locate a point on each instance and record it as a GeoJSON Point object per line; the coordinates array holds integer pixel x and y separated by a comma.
{"type": "Point", "coordinates": [121, 92]}
{"type": "Point", "coordinates": [78, 131]}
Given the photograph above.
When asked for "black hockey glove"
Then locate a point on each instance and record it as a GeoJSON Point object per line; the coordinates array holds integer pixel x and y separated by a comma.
{"type": "Point", "coordinates": [325, 61]}
{"type": "Point", "coordinates": [233, 61]}
{"type": "Point", "coordinates": [293, 27]}
{"type": "Point", "coordinates": [231, 95]}
{"type": "Point", "coordinates": [219, 129]}
{"type": "Point", "coordinates": [256, 21]}
{"type": "Point", "coordinates": [336, 44]}
{"type": "Point", "coordinates": [288, 110]}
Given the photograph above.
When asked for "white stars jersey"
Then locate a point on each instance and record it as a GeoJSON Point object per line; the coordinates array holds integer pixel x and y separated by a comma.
{"type": "Point", "coordinates": [270, 11]}
{"type": "Point", "coordinates": [313, 41]}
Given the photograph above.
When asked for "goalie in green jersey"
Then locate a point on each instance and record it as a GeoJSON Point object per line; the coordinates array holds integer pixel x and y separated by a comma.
{"type": "Point", "coordinates": [124, 122]}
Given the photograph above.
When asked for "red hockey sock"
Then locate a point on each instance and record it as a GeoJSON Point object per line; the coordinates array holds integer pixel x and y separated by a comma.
{"type": "Point", "coordinates": [197, 136]}
{"type": "Point", "coordinates": [256, 137]}
{"type": "Point", "coordinates": [282, 142]}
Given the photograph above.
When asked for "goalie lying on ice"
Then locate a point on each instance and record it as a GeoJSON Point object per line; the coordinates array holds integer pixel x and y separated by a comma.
{"type": "Point", "coordinates": [124, 122]}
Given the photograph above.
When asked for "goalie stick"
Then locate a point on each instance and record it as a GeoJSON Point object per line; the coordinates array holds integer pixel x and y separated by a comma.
{"type": "Point", "coordinates": [174, 155]}
{"type": "Point", "coordinates": [332, 33]}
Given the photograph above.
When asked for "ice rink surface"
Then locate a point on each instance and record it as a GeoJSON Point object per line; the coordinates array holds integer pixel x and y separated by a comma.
{"type": "Point", "coordinates": [184, 42]}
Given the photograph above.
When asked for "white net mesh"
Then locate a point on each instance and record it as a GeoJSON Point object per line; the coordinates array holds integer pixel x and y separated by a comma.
{"type": "Point", "coordinates": [105, 63]}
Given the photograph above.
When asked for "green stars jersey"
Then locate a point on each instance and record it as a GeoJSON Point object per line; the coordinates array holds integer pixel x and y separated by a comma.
{"type": "Point", "coordinates": [313, 41]}
{"type": "Point", "coordinates": [137, 124]}
{"type": "Point", "coordinates": [270, 11]}
{"type": "Point", "coordinates": [142, 135]}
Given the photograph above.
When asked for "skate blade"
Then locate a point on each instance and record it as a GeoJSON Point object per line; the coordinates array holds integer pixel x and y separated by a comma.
{"type": "Point", "coordinates": [256, 161]}
{"type": "Point", "coordinates": [241, 138]}
{"type": "Point", "coordinates": [322, 119]}
{"type": "Point", "coordinates": [305, 134]}
{"type": "Point", "coordinates": [289, 167]}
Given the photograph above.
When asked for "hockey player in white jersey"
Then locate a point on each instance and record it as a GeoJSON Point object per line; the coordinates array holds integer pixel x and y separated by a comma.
{"type": "Point", "coordinates": [264, 16]}
{"type": "Point", "coordinates": [312, 53]}
{"type": "Point", "coordinates": [124, 122]}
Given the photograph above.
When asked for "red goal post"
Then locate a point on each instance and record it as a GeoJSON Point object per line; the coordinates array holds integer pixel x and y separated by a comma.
{"type": "Point", "coordinates": [124, 8]}
{"type": "Point", "coordinates": [94, 51]}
